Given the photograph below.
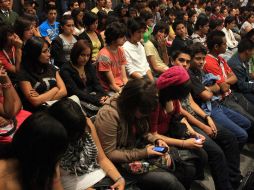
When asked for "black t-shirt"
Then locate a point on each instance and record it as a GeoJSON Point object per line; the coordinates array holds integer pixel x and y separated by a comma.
{"type": "Point", "coordinates": [197, 85]}
{"type": "Point", "coordinates": [41, 81]}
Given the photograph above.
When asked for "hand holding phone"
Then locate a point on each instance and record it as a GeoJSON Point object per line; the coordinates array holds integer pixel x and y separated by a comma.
{"type": "Point", "coordinates": [160, 149]}
{"type": "Point", "coordinates": [198, 140]}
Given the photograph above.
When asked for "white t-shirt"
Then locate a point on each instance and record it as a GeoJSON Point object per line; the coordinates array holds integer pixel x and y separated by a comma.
{"type": "Point", "coordinates": [77, 31]}
{"type": "Point", "coordinates": [136, 58]}
{"type": "Point", "coordinates": [230, 38]}
{"type": "Point", "coordinates": [244, 26]}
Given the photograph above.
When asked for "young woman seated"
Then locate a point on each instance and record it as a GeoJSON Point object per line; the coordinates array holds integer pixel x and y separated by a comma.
{"type": "Point", "coordinates": [84, 164]}
{"type": "Point", "coordinates": [39, 80]}
{"type": "Point", "coordinates": [80, 78]}
{"type": "Point", "coordinates": [36, 150]}
{"type": "Point", "coordinates": [123, 126]}
{"type": "Point", "coordinates": [24, 28]}
{"type": "Point", "coordinates": [90, 34]}
{"type": "Point", "coordinates": [10, 50]}
{"type": "Point", "coordinates": [11, 115]}
{"type": "Point", "coordinates": [61, 46]}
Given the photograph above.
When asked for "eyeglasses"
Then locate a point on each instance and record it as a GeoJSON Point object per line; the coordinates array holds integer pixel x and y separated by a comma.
{"type": "Point", "coordinates": [182, 60]}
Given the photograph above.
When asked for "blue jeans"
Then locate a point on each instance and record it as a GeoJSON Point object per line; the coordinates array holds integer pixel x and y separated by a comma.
{"type": "Point", "coordinates": [233, 121]}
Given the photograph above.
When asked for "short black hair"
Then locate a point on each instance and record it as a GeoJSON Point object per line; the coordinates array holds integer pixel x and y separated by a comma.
{"type": "Point", "coordinates": [213, 38]}
{"type": "Point", "coordinates": [146, 15]}
{"type": "Point", "coordinates": [135, 24]}
{"type": "Point", "coordinates": [214, 23]}
{"type": "Point", "coordinates": [228, 20]}
{"type": "Point", "coordinates": [153, 4]}
{"type": "Point", "coordinates": [250, 34]}
{"type": "Point", "coordinates": [176, 23]}
{"type": "Point", "coordinates": [114, 31]}
{"type": "Point", "coordinates": [50, 8]}
{"type": "Point", "coordinates": [244, 45]}
{"type": "Point", "coordinates": [197, 48]}
{"type": "Point", "coordinates": [170, 12]}
{"type": "Point", "coordinates": [176, 53]}
{"type": "Point", "coordinates": [160, 26]}
{"type": "Point", "coordinates": [89, 18]}
{"type": "Point", "coordinates": [201, 22]}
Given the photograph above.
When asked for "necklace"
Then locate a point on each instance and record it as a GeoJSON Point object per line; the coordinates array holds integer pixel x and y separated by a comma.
{"type": "Point", "coordinates": [81, 72]}
{"type": "Point", "coordinates": [9, 59]}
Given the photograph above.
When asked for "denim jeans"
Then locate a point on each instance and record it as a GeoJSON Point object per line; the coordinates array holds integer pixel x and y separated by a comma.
{"type": "Point", "coordinates": [223, 158]}
{"type": "Point", "coordinates": [249, 97]}
{"type": "Point", "coordinates": [237, 102]}
{"type": "Point", "coordinates": [233, 121]}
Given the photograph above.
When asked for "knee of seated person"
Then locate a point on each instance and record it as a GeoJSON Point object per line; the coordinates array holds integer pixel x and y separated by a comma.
{"type": "Point", "coordinates": [247, 124]}
{"type": "Point", "coordinates": [166, 180]}
{"type": "Point", "coordinates": [242, 138]}
{"type": "Point", "coordinates": [170, 182]}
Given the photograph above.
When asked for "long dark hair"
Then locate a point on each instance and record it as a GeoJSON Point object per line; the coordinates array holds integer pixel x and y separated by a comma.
{"type": "Point", "coordinates": [38, 145]}
{"type": "Point", "coordinates": [137, 95]}
{"type": "Point", "coordinates": [77, 49]}
{"type": "Point", "coordinates": [31, 52]}
{"type": "Point", "coordinates": [74, 14]}
{"type": "Point", "coordinates": [70, 114]}
{"type": "Point", "coordinates": [21, 25]}
{"type": "Point", "coordinates": [5, 31]}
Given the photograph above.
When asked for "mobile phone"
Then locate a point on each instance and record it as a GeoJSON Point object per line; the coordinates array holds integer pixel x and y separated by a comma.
{"type": "Point", "coordinates": [160, 149]}
{"type": "Point", "coordinates": [198, 140]}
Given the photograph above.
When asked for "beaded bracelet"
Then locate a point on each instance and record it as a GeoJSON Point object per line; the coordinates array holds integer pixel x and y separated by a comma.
{"type": "Point", "coordinates": [6, 85]}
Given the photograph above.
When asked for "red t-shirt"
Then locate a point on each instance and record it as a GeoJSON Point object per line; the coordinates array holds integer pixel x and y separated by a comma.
{"type": "Point", "coordinates": [108, 61]}
{"type": "Point", "coordinates": [214, 66]}
{"type": "Point", "coordinates": [160, 120]}
{"type": "Point", "coordinates": [7, 61]}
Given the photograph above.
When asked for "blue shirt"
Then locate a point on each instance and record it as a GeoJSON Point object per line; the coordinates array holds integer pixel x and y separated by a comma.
{"type": "Point", "coordinates": [241, 70]}
{"type": "Point", "coordinates": [52, 31]}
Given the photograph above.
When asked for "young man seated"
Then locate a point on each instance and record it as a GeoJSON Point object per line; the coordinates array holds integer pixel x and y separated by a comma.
{"type": "Point", "coordinates": [216, 43]}
{"type": "Point", "coordinates": [137, 64]}
{"type": "Point", "coordinates": [49, 29]}
{"type": "Point", "coordinates": [239, 64]}
{"type": "Point", "coordinates": [181, 40]}
{"type": "Point", "coordinates": [221, 143]}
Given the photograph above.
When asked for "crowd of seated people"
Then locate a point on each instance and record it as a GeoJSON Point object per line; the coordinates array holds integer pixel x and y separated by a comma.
{"type": "Point", "coordinates": [138, 95]}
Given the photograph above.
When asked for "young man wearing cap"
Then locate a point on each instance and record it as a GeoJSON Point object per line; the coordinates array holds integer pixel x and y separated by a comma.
{"type": "Point", "coordinates": [221, 145]}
